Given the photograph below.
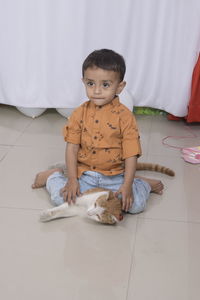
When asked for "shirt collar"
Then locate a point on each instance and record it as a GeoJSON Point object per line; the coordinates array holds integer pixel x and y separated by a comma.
{"type": "Point", "coordinates": [112, 104]}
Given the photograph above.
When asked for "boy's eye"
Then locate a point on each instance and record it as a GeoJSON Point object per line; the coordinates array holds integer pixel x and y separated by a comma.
{"type": "Point", "coordinates": [106, 84]}
{"type": "Point", "coordinates": [90, 83]}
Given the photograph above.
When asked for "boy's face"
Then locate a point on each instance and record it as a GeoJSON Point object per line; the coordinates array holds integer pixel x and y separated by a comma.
{"type": "Point", "coordinates": [102, 85]}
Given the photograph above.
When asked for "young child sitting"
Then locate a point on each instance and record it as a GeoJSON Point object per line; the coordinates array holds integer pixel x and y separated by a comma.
{"type": "Point", "coordinates": [102, 141]}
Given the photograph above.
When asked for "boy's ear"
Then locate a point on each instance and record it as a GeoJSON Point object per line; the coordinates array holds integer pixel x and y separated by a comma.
{"type": "Point", "coordinates": [121, 86]}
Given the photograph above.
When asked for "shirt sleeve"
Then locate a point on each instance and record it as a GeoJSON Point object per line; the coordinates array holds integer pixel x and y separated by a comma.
{"type": "Point", "coordinates": [130, 136]}
{"type": "Point", "coordinates": [72, 130]}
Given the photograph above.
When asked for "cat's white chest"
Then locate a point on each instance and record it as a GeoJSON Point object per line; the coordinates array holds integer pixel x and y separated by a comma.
{"type": "Point", "coordinates": [88, 200]}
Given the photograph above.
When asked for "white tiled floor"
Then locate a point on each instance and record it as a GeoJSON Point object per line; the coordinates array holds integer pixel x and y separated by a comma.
{"type": "Point", "coordinates": [154, 255]}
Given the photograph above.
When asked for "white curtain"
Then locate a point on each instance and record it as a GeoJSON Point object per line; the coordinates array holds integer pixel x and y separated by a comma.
{"type": "Point", "coordinates": [44, 42]}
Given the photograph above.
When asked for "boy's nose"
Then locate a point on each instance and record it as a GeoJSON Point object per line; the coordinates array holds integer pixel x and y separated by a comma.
{"type": "Point", "coordinates": [97, 90]}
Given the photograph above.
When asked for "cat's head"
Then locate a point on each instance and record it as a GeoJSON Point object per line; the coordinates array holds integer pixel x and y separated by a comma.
{"type": "Point", "coordinates": [107, 209]}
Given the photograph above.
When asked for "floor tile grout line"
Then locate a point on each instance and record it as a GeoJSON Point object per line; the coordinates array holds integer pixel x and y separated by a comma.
{"type": "Point", "coordinates": [22, 132]}
{"type": "Point", "coordinates": [7, 152]}
{"type": "Point", "coordinates": [169, 220]}
{"type": "Point", "coordinates": [132, 258]}
{"type": "Point", "coordinates": [21, 208]}
{"type": "Point", "coordinates": [18, 137]}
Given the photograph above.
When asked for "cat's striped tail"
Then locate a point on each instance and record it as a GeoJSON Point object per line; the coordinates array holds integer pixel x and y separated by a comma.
{"type": "Point", "coordinates": [155, 167]}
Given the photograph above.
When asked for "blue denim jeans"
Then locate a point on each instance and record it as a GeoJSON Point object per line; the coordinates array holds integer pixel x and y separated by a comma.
{"type": "Point", "coordinates": [90, 179]}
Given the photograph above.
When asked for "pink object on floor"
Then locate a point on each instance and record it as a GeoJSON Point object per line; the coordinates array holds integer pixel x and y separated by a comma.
{"type": "Point", "coordinates": [195, 150]}
{"type": "Point", "coordinates": [191, 159]}
{"type": "Point", "coordinates": [191, 155]}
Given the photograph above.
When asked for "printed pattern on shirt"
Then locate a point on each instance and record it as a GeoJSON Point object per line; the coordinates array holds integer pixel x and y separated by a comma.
{"type": "Point", "coordinates": [107, 135]}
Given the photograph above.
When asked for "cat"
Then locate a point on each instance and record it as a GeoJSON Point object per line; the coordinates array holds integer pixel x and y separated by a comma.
{"type": "Point", "coordinates": [101, 204]}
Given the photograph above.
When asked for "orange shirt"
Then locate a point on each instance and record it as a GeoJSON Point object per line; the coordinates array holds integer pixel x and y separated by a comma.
{"type": "Point", "coordinates": [107, 135]}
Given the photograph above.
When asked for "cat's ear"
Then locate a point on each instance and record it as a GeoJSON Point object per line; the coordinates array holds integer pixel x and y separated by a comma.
{"type": "Point", "coordinates": [114, 220]}
{"type": "Point", "coordinates": [94, 212]}
{"type": "Point", "coordinates": [109, 219]}
{"type": "Point", "coordinates": [119, 217]}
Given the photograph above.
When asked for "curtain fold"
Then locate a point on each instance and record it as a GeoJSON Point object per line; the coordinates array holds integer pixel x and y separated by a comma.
{"type": "Point", "coordinates": [44, 42]}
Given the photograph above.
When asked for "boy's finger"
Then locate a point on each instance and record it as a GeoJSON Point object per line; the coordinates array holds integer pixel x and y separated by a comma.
{"type": "Point", "coordinates": [127, 206]}
{"type": "Point", "coordinates": [62, 191]}
{"type": "Point", "coordinates": [74, 198]}
{"type": "Point", "coordinates": [64, 195]}
{"type": "Point", "coordinates": [67, 197]}
{"type": "Point", "coordinates": [130, 202]}
{"type": "Point", "coordinates": [78, 192]}
{"type": "Point", "coordinates": [124, 203]}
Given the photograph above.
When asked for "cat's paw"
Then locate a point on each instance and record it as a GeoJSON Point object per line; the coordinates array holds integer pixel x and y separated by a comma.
{"type": "Point", "coordinates": [47, 215]}
{"type": "Point", "coordinates": [62, 211]}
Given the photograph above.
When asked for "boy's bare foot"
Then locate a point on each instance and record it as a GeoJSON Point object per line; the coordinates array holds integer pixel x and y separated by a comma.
{"type": "Point", "coordinates": [156, 185]}
{"type": "Point", "coordinates": [41, 178]}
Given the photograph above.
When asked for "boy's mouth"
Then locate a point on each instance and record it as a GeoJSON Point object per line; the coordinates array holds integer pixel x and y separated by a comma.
{"type": "Point", "coordinates": [97, 98]}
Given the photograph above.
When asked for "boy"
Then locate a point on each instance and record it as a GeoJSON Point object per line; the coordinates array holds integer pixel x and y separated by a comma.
{"type": "Point", "coordinates": [102, 141]}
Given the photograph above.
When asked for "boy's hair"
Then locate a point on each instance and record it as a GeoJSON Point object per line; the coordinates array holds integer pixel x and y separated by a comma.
{"type": "Point", "coordinates": [105, 59]}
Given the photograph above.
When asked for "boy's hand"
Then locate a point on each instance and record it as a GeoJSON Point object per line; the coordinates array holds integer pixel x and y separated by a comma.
{"type": "Point", "coordinates": [70, 191]}
{"type": "Point", "coordinates": [127, 196]}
